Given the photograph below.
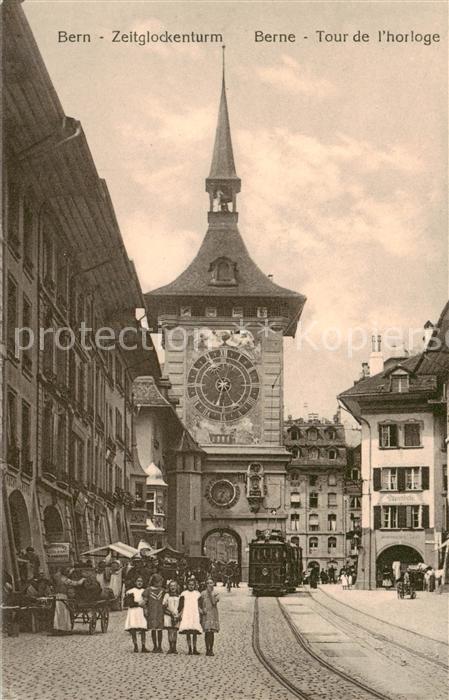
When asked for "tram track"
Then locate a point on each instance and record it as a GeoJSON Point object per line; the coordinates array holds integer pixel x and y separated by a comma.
{"type": "Point", "coordinates": [361, 689]}
{"type": "Point", "coordinates": [380, 637]}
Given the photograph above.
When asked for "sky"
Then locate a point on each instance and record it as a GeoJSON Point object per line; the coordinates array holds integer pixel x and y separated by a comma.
{"type": "Point", "coordinates": [341, 148]}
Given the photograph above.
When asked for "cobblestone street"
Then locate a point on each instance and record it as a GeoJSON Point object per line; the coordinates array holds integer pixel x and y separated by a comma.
{"type": "Point", "coordinates": [38, 667]}
{"type": "Point", "coordinates": [41, 667]}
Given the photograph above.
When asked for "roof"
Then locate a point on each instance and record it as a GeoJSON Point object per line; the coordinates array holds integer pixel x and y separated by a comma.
{"type": "Point", "coordinates": [380, 383]}
{"type": "Point", "coordinates": [146, 393]}
{"type": "Point", "coordinates": [187, 443]}
{"type": "Point", "coordinates": [223, 166]}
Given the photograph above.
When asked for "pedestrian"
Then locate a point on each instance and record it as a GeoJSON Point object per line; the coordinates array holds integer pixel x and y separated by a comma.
{"type": "Point", "coordinates": [152, 598]}
{"type": "Point", "coordinates": [209, 615]}
{"type": "Point", "coordinates": [344, 579]}
{"type": "Point", "coordinates": [62, 621]}
{"type": "Point", "coordinates": [349, 580]}
{"type": "Point", "coordinates": [171, 615]}
{"type": "Point", "coordinates": [190, 624]}
{"type": "Point", "coordinates": [135, 619]}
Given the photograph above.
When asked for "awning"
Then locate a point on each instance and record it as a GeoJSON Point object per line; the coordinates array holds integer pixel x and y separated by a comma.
{"type": "Point", "coordinates": [122, 549]}
{"type": "Point", "coordinates": [169, 551]}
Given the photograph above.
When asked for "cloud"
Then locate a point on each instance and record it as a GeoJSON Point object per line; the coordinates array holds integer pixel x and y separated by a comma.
{"type": "Point", "coordinates": [289, 76]}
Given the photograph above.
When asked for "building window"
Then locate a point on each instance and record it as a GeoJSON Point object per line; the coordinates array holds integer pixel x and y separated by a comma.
{"type": "Point", "coordinates": [294, 434]}
{"type": "Point", "coordinates": [27, 464]}
{"type": "Point", "coordinates": [313, 500]}
{"type": "Point", "coordinates": [313, 478]}
{"type": "Point", "coordinates": [13, 216]}
{"type": "Point", "coordinates": [399, 383]}
{"type": "Point", "coordinates": [314, 524]}
{"type": "Point", "coordinates": [119, 372]}
{"type": "Point", "coordinates": [390, 517]}
{"type": "Point", "coordinates": [138, 492]}
{"type": "Point", "coordinates": [312, 434]}
{"type": "Point", "coordinates": [186, 311]}
{"type": "Point", "coordinates": [28, 238]}
{"type": "Point", "coordinates": [413, 479]}
{"type": "Point", "coordinates": [355, 502]}
{"type": "Point", "coordinates": [12, 318]}
{"type": "Point", "coordinates": [412, 435]}
{"type": "Point", "coordinates": [331, 499]}
{"type": "Point", "coordinates": [332, 480]}
{"type": "Point", "coordinates": [331, 543]}
{"type": "Point", "coordinates": [151, 503]}
{"type": "Point", "coordinates": [237, 312]}
{"type": "Point", "coordinates": [262, 312]}
{"type": "Point", "coordinates": [12, 439]}
{"type": "Point", "coordinates": [388, 435]}
{"type": "Point", "coordinates": [355, 474]}
{"type": "Point", "coordinates": [118, 425]}
{"type": "Point", "coordinates": [61, 445]}
{"type": "Point", "coordinates": [332, 522]}
{"type": "Point", "coordinates": [313, 543]}
{"type": "Point", "coordinates": [332, 454]}
{"type": "Point", "coordinates": [389, 479]}
{"type": "Point", "coordinates": [414, 516]}
{"type": "Point", "coordinates": [331, 434]}
{"type": "Point", "coordinates": [295, 452]}
{"type": "Point", "coordinates": [295, 500]}
{"type": "Point", "coordinates": [294, 521]}
{"type": "Point", "coordinates": [211, 312]}
{"type": "Point", "coordinates": [313, 453]}
{"type": "Point", "coordinates": [26, 324]}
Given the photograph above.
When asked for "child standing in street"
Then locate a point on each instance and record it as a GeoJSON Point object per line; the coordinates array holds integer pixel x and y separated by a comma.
{"type": "Point", "coordinates": [190, 615]}
{"type": "Point", "coordinates": [171, 615]}
{"type": "Point", "coordinates": [209, 615]}
{"type": "Point", "coordinates": [152, 598]}
{"type": "Point", "coordinates": [135, 619]}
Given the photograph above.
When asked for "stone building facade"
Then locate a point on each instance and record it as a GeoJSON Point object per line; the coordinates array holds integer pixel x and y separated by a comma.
{"type": "Point", "coordinates": [403, 416]}
{"type": "Point", "coordinates": [323, 492]}
{"type": "Point", "coordinates": [68, 423]}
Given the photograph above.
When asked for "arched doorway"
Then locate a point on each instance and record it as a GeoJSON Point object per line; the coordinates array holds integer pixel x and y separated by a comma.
{"type": "Point", "coordinates": [402, 553]}
{"type": "Point", "coordinates": [53, 527]}
{"type": "Point", "coordinates": [20, 521]}
{"type": "Point", "coordinates": [222, 544]}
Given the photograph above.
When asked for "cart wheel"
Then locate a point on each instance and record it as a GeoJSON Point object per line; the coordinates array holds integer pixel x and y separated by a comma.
{"type": "Point", "coordinates": [104, 620]}
{"type": "Point", "coordinates": [92, 621]}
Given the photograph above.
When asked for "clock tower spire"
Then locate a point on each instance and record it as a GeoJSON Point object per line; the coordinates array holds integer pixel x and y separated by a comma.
{"type": "Point", "coordinates": [223, 184]}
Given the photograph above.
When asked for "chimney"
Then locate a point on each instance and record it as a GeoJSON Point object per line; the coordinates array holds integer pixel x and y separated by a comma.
{"type": "Point", "coordinates": [428, 332]}
{"type": "Point", "coordinates": [376, 360]}
{"type": "Point", "coordinates": [365, 370]}
{"type": "Point", "coordinates": [270, 276]}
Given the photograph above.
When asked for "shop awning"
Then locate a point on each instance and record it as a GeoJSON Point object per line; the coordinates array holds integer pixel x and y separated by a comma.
{"type": "Point", "coordinates": [122, 549]}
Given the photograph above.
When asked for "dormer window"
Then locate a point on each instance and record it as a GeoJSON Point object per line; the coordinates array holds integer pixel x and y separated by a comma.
{"type": "Point", "coordinates": [211, 312]}
{"type": "Point", "coordinates": [399, 383]}
{"type": "Point", "coordinates": [223, 272]}
{"type": "Point", "coordinates": [312, 434]}
{"type": "Point", "coordinates": [186, 311]}
{"type": "Point", "coordinates": [262, 312]}
{"type": "Point", "coordinates": [294, 434]}
{"type": "Point", "coordinates": [237, 312]}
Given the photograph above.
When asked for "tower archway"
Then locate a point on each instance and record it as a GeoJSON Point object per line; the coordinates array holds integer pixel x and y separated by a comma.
{"type": "Point", "coordinates": [402, 553]}
{"type": "Point", "coordinates": [223, 544]}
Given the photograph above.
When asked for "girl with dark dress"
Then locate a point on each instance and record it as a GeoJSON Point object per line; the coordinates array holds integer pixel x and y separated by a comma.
{"type": "Point", "coordinates": [209, 615]}
{"type": "Point", "coordinates": [152, 602]}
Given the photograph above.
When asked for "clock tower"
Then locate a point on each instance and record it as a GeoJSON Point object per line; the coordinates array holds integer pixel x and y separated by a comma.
{"type": "Point", "coordinates": [223, 322]}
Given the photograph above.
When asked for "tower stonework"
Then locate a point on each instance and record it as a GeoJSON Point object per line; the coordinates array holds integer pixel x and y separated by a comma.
{"type": "Point", "coordinates": [223, 322]}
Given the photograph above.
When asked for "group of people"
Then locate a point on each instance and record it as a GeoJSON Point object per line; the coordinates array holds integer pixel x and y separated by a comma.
{"type": "Point", "coordinates": [156, 609]}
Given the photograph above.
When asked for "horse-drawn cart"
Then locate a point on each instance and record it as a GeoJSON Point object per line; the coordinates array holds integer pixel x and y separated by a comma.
{"type": "Point", "coordinates": [88, 613]}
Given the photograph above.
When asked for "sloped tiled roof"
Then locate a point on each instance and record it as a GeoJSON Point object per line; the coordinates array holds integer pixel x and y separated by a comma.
{"type": "Point", "coordinates": [380, 383]}
{"type": "Point", "coordinates": [146, 393]}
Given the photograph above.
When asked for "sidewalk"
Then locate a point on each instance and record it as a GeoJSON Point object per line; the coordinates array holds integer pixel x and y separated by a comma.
{"type": "Point", "coordinates": [427, 615]}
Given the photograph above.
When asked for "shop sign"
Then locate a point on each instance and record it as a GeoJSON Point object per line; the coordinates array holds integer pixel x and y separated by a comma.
{"type": "Point", "coordinates": [58, 553]}
{"type": "Point", "coordinates": [402, 499]}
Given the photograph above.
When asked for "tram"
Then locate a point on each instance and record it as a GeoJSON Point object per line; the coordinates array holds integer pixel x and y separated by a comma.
{"type": "Point", "coordinates": [275, 565]}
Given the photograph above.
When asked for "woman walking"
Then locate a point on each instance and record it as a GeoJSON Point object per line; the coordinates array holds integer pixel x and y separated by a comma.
{"type": "Point", "coordinates": [135, 619]}
{"type": "Point", "coordinates": [209, 615]}
{"type": "Point", "coordinates": [171, 615]}
{"type": "Point", "coordinates": [62, 622]}
{"type": "Point", "coordinates": [152, 598]}
{"type": "Point", "coordinates": [190, 615]}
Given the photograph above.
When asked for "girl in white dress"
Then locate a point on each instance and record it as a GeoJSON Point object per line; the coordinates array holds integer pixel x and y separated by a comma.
{"type": "Point", "coordinates": [171, 615]}
{"type": "Point", "coordinates": [190, 615]}
{"type": "Point", "coordinates": [135, 619]}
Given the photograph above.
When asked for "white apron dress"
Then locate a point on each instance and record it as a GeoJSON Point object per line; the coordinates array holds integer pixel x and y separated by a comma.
{"type": "Point", "coordinates": [170, 604]}
{"type": "Point", "coordinates": [190, 620]}
{"type": "Point", "coordinates": [135, 619]}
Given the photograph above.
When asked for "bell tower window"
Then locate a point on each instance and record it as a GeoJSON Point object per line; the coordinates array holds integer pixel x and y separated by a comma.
{"type": "Point", "coordinates": [223, 272]}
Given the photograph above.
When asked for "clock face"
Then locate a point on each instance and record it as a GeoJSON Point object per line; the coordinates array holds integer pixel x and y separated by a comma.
{"type": "Point", "coordinates": [223, 384]}
{"type": "Point", "coordinates": [222, 492]}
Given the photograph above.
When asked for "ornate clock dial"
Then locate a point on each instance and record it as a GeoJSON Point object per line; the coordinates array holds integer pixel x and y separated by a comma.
{"type": "Point", "coordinates": [224, 384]}
{"type": "Point", "coordinates": [222, 493]}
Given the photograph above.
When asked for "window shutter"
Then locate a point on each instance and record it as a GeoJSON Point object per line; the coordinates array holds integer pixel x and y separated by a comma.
{"type": "Point", "coordinates": [424, 478]}
{"type": "Point", "coordinates": [377, 479]}
{"type": "Point", "coordinates": [377, 516]}
{"type": "Point", "coordinates": [402, 517]}
{"type": "Point", "coordinates": [401, 479]}
{"type": "Point", "coordinates": [408, 517]}
{"type": "Point", "coordinates": [425, 516]}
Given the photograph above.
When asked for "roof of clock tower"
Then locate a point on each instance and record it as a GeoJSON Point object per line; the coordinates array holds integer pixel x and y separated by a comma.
{"type": "Point", "coordinates": [223, 267]}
